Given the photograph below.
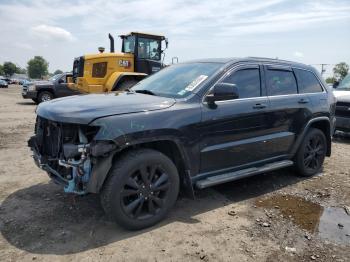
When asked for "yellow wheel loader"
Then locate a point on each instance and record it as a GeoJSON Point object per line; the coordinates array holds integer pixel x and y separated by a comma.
{"type": "Point", "coordinates": [141, 55]}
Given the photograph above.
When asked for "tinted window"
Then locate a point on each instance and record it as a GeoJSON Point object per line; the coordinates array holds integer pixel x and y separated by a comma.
{"type": "Point", "coordinates": [247, 82]}
{"type": "Point", "coordinates": [148, 48]}
{"type": "Point", "coordinates": [281, 82]}
{"type": "Point", "coordinates": [129, 44]}
{"type": "Point", "coordinates": [307, 82]}
{"type": "Point", "coordinates": [63, 79]}
{"type": "Point", "coordinates": [99, 69]}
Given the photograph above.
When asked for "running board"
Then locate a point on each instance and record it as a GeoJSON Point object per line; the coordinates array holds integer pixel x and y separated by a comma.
{"type": "Point", "coordinates": [227, 177]}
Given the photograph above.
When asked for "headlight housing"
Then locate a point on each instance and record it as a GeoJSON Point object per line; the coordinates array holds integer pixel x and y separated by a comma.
{"type": "Point", "coordinates": [31, 88]}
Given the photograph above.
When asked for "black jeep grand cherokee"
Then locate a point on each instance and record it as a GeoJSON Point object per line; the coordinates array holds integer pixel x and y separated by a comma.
{"type": "Point", "coordinates": [191, 125]}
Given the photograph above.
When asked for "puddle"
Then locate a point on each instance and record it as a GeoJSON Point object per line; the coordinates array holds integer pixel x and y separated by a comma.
{"type": "Point", "coordinates": [329, 223]}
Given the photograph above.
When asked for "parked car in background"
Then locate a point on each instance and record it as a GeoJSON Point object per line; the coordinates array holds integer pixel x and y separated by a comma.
{"type": "Point", "coordinates": [7, 80]}
{"type": "Point", "coordinates": [3, 83]}
{"type": "Point", "coordinates": [194, 124]}
{"type": "Point", "coordinates": [41, 91]}
{"type": "Point", "coordinates": [342, 113]}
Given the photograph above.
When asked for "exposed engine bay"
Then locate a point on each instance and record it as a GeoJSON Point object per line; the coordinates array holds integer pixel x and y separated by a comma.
{"type": "Point", "coordinates": [66, 152]}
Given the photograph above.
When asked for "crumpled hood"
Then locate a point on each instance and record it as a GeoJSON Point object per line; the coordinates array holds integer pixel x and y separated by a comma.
{"type": "Point", "coordinates": [343, 96]}
{"type": "Point", "coordinates": [83, 109]}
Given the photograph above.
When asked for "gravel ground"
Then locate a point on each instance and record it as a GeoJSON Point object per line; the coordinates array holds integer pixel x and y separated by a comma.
{"type": "Point", "coordinates": [272, 217]}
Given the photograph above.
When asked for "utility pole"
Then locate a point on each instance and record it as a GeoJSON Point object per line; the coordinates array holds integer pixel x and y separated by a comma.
{"type": "Point", "coordinates": [323, 69]}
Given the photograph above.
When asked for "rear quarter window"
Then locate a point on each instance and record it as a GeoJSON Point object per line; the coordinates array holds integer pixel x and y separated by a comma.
{"type": "Point", "coordinates": [307, 82]}
{"type": "Point", "coordinates": [280, 82]}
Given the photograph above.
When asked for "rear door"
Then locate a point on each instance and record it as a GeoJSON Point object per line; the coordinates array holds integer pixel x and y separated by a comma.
{"type": "Point", "coordinates": [290, 110]}
{"type": "Point", "coordinates": [233, 132]}
{"type": "Point", "coordinates": [309, 85]}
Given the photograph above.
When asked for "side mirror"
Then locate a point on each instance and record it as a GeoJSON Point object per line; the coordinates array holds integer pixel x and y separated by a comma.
{"type": "Point", "coordinates": [60, 81]}
{"type": "Point", "coordinates": [222, 91]}
{"type": "Point", "coordinates": [335, 84]}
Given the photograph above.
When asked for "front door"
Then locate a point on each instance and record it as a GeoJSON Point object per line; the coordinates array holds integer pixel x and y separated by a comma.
{"type": "Point", "coordinates": [234, 133]}
{"type": "Point", "coordinates": [61, 87]}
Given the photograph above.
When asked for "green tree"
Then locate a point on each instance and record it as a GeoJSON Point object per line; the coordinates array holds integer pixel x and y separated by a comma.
{"type": "Point", "coordinates": [37, 67]}
{"type": "Point", "coordinates": [1, 70]}
{"type": "Point", "coordinates": [340, 71]}
{"type": "Point", "coordinates": [9, 69]}
{"type": "Point", "coordinates": [21, 70]}
{"type": "Point", "coordinates": [330, 80]}
{"type": "Point", "coordinates": [58, 72]}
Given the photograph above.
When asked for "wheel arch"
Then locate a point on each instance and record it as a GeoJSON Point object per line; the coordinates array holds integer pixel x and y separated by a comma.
{"type": "Point", "coordinates": [45, 90]}
{"type": "Point", "coordinates": [118, 77]}
{"type": "Point", "coordinates": [321, 123]}
{"type": "Point", "coordinates": [169, 147]}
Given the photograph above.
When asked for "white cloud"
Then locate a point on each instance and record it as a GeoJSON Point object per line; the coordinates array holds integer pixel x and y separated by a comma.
{"type": "Point", "coordinates": [52, 33]}
{"type": "Point", "coordinates": [24, 46]}
{"type": "Point", "coordinates": [195, 28]}
{"type": "Point", "coordinates": [298, 54]}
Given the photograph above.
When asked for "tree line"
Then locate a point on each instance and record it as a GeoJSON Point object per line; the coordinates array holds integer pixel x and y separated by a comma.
{"type": "Point", "coordinates": [340, 71]}
{"type": "Point", "coordinates": [37, 68]}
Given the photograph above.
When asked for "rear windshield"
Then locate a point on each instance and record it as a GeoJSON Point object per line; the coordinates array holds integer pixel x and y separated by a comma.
{"type": "Point", "coordinates": [178, 81]}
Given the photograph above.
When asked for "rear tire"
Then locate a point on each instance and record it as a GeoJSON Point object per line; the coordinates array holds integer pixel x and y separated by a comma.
{"type": "Point", "coordinates": [45, 96]}
{"type": "Point", "coordinates": [141, 188]}
{"type": "Point", "coordinates": [126, 85]}
{"type": "Point", "coordinates": [311, 153]}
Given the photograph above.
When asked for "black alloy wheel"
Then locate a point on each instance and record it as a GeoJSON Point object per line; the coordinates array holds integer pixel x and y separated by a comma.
{"type": "Point", "coordinates": [140, 189]}
{"type": "Point", "coordinates": [144, 192]}
{"type": "Point", "coordinates": [312, 152]}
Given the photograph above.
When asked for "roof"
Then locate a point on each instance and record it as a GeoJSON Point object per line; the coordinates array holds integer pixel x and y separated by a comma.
{"type": "Point", "coordinates": [144, 34]}
{"type": "Point", "coordinates": [232, 60]}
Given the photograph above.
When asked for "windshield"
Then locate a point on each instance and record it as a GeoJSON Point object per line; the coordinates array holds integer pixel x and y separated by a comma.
{"type": "Point", "coordinates": [129, 44]}
{"type": "Point", "coordinates": [55, 77]}
{"type": "Point", "coordinates": [345, 83]}
{"type": "Point", "coordinates": [177, 81]}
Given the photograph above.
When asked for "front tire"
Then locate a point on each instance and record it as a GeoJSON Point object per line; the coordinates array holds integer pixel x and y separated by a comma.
{"type": "Point", "coordinates": [311, 153]}
{"type": "Point", "coordinates": [141, 188]}
{"type": "Point", "coordinates": [45, 96]}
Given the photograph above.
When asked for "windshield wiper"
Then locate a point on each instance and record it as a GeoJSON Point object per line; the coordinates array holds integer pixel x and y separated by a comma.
{"type": "Point", "coordinates": [145, 91]}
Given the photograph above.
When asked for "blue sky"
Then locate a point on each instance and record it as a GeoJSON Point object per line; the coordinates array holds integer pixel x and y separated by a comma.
{"type": "Point", "coordinates": [311, 32]}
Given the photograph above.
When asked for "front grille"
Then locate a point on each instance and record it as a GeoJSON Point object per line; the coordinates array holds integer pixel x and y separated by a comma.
{"type": "Point", "coordinates": [51, 136]}
{"type": "Point", "coordinates": [342, 109]}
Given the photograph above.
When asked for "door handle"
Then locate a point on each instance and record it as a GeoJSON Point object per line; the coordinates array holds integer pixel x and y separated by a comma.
{"type": "Point", "coordinates": [259, 106]}
{"type": "Point", "coordinates": [303, 101]}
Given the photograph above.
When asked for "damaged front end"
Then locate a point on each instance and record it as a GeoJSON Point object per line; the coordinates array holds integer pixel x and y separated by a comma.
{"type": "Point", "coordinates": [67, 152]}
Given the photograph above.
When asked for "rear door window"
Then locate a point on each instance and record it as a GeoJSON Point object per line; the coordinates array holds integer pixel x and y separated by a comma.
{"type": "Point", "coordinates": [280, 82]}
{"type": "Point", "coordinates": [247, 82]}
{"type": "Point", "coordinates": [307, 82]}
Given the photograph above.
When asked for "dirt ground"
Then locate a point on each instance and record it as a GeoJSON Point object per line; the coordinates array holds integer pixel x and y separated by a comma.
{"type": "Point", "coordinates": [271, 217]}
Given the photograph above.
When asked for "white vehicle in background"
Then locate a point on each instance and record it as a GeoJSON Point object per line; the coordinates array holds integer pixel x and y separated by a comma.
{"type": "Point", "coordinates": [342, 113]}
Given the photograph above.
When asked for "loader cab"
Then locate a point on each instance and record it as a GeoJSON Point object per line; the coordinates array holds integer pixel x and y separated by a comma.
{"type": "Point", "coordinates": [147, 51]}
